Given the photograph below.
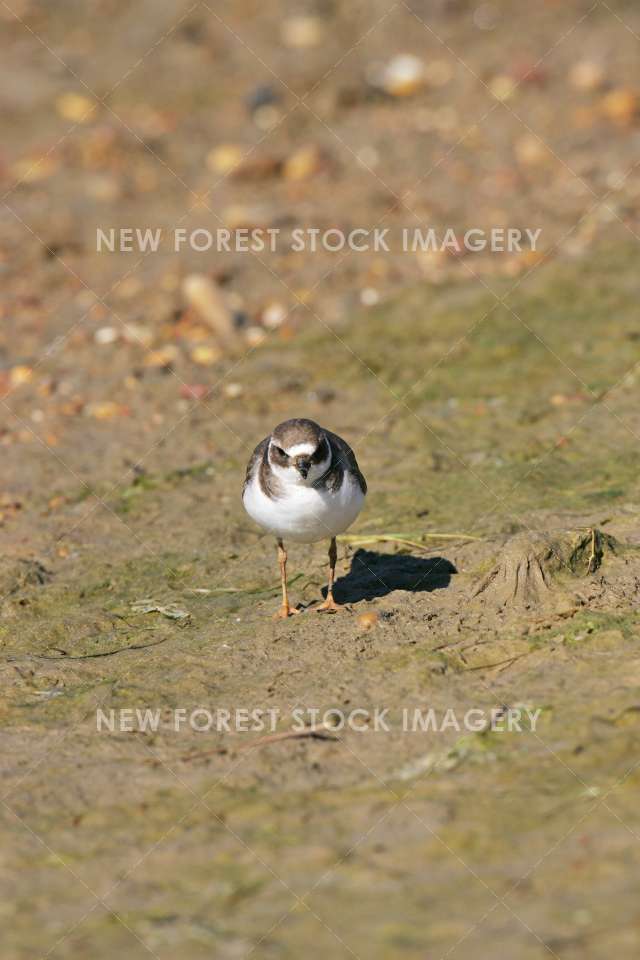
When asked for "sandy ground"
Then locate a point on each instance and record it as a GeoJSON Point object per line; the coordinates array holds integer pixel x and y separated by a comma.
{"type": "Point", "coordinates": [492, 402]}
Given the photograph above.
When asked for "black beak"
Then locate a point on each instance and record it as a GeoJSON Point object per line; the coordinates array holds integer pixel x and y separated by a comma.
{"type": "Point", "coordinates": [304, 465]}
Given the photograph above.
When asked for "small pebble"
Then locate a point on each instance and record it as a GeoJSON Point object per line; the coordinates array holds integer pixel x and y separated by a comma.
{"type": "Point", "coordinates": [137, 333]}
{"type": "Point", "coordinates": [232, 390]}
{"type": "Point", "coordinates": [366, 621]}
{"type": "Point", "coordinates": [403, 76]}
{"type": "Point", "coordinates": [257, 166]}
{"type": "Point", "coordinates": [106, 410]}
{"type": "Point", "coordinates": [75, 107]}
{"type": "Point", "coordinates": [273, 315]}
{"type": "Point", "coordinates": [19, 375]}
{"type": "Point", "coordinates": [502, 87]}
{"type": "Point", "coordinates": [302, 33]}
{"type": "Point", "coordinates": [303, 163]}
{"type": "Point", "coordinates": [194, 391]}
{"type": "Point", "coordinates": [225, 158]}
{"type": "Point", "coordinates": [369, 297]}
{"type": "Point", "coordinates": [255, 336]}
{"type": "Point", "coordinates": [206, 299]}
{"type": "Point", "coordinates": [163, 357]}
{"type": "Point", "coordinates": [265, 118]}
{"type": "Point", "coordinates": [205, 355]}
{"type": "Point", "coordinates": [262, 96]}
{"type": "Point", "coordinates": [368, 157]}
{"type": "Point", "coordinates": [105, 335]}
{"type": "Point", "coordinates": [33, 169]}
{"type": "Point", "coordinates": [587, 75]}
{"type": "Point", "coordinates": [621, 106]}
{"type": "Point", "coordinates": [531, 151]}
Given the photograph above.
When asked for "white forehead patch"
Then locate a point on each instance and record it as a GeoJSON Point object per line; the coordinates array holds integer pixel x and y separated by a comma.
{"type": "Point", "coordinates": [300, 448]}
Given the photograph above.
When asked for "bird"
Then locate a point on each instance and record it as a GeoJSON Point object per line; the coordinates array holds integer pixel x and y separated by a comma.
{"type": "Point", "coordinates": [303, 483]}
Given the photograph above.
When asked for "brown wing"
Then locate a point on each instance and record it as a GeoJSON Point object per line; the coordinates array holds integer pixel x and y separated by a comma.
{"type": "Point", "coordinates": [254, 462]}
{"type": "Point", "coordinates": [342, 458]}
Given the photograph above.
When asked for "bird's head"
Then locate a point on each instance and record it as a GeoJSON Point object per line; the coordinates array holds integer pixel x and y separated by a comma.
{"type": "Point", "coordinates": [299, 452]}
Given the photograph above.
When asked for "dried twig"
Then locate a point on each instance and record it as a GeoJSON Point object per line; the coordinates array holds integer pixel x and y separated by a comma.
{"type": "Point", "coordinates": [355, 539]}
{"type": "Point", "coordinates": [320, 732]}
{"type": "Point", "coordinates": [88, 656]}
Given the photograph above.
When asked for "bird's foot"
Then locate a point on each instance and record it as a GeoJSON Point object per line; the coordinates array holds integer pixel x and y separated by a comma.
{"type": "Point", "coordinates": [329, 606]}
{"type": "Point", "coordinates": [284, 612]}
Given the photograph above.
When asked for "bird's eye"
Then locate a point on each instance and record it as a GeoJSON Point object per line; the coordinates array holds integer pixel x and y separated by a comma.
{"type": "Point", "coordinates": [281, 452]}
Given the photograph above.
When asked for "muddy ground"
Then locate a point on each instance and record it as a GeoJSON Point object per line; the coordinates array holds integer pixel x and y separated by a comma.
{"type": "Point", "coordinates": [493, 404]}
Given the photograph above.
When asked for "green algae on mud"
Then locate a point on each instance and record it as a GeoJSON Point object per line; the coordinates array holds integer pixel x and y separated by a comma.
{"type": "Point", "coordinates": [513, 392]}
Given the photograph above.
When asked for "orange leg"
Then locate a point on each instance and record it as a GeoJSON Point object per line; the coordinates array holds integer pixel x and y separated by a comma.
{"type": "Point", "coordinates": [329, 605]}
{"type": "Point", "coordinates": [285, 610]}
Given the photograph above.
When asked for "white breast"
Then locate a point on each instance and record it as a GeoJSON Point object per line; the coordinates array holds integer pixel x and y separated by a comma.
{"type": "Point", "coordinates": [305, 513]}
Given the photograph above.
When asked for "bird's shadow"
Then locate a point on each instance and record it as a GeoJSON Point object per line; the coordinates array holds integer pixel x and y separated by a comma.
{"type": "Point", "coordinates": [375, 574]}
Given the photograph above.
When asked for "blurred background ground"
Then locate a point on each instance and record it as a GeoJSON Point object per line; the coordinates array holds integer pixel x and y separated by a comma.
{"type": "Point", "coordinates": [485, 393]}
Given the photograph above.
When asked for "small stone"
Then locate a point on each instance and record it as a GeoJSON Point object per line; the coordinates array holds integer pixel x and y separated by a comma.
{"type": "Point", "coordinates": [194, 391]}
{"type": "Point", "coordinates": [366, 621]}
{"type": "Point", "coordinates": [205, 298]}
{"type": "Point", "coordinates": [587, 75]}
{"type": "Point", "coordinates": [304, 163]}
{"type": "Point", "coordinates": [266, 118]}
{"type": "Point", "coordinates": [164, 357]}
{"type": "Point", "coordinates": [19, 375]}
{"type": "Point", "coordinates": [232, 390]}
{"type": "Point", "coordinates": [257, 166]}
{"type": "Point", "coordinates": [205, 355]}
{"type": "Point", "coordinates": [273, 315]}
{"type": "Point", "coordinates": [34, 169]}
{"type": "Point", "coordinates": [369, 297]}
{"type": "Point", "coordinates": [368, 157]}
{"type": "Point", "coordinates": [225, 158]}
{"type": "Point", "coordinates": [105, 336]}
{"type": "Point", "coordinates": [528, 71]}
{"type": "Point", "coordinates": [403, 76]}
{"type": "Point", "coordinates": [75, 107]}
{"type": "Point", "coordinates": [106, 410]}
{"type": "Point", "coordinates": [502, 87]}
{"type": "Point", "coordinates": [302, 33]}
{"type": "Point", "coordinates": [530, 151]}
{"type": "Point", "coordinates": [621, 106]}
{"type": "Point", "coordinates": [255, 336]}
{"type": "Point", "coordinates": [72, 407]}
{"type": "Point", "coordinates": [262, 96]}
{"type": "Point", "coordinates": [138, 334]}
